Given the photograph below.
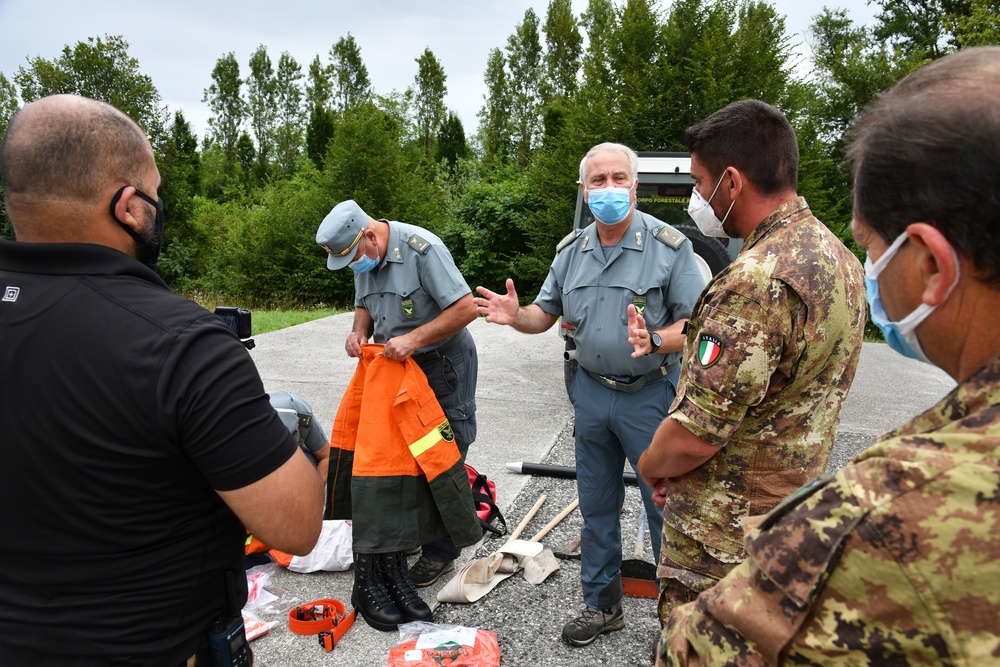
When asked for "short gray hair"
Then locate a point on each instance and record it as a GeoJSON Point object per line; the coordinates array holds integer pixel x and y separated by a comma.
{"type": "Point", "coordinates": [609, 147]}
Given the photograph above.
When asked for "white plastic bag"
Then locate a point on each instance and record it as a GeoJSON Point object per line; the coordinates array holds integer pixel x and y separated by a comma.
{"type": "Point", "coordinates": [334, 551]}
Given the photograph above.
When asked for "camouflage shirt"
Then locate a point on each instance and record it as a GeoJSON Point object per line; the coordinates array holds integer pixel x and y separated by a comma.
{"type": "Point", "coordinates": [770, 354]}
{"type": "Point", "coordinates": [895, 561]}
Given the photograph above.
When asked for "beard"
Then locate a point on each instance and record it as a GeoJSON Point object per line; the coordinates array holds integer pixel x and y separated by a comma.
{"type": "Point", "coordinates": [148, 241]}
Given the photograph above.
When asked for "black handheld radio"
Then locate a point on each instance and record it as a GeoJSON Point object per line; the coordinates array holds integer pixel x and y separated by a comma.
{"type": "Point", "coordinates": [227, 640]}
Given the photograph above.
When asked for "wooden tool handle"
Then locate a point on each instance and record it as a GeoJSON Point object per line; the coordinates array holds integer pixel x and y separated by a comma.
{"type": "Point", "coordinates": [552, 524]}
{"type": "Point", "coordinates": [528, 517]}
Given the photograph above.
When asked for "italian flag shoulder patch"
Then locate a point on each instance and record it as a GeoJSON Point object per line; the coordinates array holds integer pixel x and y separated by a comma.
{"type": "Point", "coordinates": [709, 350]}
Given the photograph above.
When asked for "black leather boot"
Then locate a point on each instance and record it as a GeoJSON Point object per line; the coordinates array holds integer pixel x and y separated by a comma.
{"type": "Point", "coordinates": [401, 588]}
{"type": "Point", "coordinates": [370, 596]}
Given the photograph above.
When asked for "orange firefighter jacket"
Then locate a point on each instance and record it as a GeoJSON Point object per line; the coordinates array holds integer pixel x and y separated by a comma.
{"type": "Point", "coordinates": [394, 466]}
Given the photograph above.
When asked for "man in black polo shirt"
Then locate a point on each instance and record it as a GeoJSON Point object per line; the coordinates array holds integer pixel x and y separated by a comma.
{"type": "Point", "coordinates": [137, 440]}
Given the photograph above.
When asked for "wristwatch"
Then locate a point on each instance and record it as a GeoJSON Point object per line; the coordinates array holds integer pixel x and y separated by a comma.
{"type": "Point", "coordinates": [656, 341]}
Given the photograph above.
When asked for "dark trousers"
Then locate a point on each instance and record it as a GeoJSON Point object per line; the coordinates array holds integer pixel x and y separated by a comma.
{"type": "Point", "coordinates": [452, 372]}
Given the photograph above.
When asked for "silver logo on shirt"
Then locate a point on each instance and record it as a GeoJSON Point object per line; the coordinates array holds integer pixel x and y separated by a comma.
{"type": "Point", "coordinates": [10, 293]}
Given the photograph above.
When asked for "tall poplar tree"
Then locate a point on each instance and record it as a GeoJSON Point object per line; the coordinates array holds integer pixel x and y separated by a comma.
{"type": "Point", "coordinates": [563, 49]}
{"type": "Point", "coordinates": [524, 57]}
{"type": "Point", "coordinates": [351, 85]}
{"type": "Point", "coordinates": [495, 115]}
{"type": "Point", "coordinates": [319, 94]}
{"type": "Point", "coordinates": [228, 108]}
{"type": "Point", "coordinates": [262, 107]}
{"type": "Point", "coordinates": [289, 129]}
{"type": "Point", "coordinates": [429, 90]}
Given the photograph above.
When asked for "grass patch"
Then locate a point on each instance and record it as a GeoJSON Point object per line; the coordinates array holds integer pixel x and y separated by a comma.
{"type": "Point", "coordinates": [263, 321]}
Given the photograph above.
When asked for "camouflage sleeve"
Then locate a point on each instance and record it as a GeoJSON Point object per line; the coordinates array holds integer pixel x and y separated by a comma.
{"type": "Point", "coordinates": [731, 357]}
{"type": "Point", "coordinates": [891, 563]}
{"type": "Point", "coordinates": [751, 615]}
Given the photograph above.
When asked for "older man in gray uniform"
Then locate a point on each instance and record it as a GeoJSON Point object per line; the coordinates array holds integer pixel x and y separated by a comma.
{"type": "Point", "coordinates": [409, 294]}
{"type": "Point", "coordinates": [627, 283]}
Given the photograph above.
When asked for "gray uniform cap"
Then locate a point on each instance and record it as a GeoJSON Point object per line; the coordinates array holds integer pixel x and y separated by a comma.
{"type": "Point", "coordinates": [340, 232]}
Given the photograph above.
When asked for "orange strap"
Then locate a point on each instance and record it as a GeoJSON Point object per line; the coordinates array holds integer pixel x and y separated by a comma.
{"type": "Point", "coordinates": [327, 618]}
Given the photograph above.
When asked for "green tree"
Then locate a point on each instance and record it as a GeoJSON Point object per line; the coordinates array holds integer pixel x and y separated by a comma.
{"type": "Point", "coordinates": [917, 27]}
{"type": "Point", "coordinates": [289, 131]}
{"type": "Point", "coordinates": [185, 248]}
{"type": "Point", "coordinates": [451, 145]}
{"type": "Point", "coordinates": [101, 69]}
{"type": "Point", "coordinates": [319, 129]}
{"type": "Point", "coordinates": [595, 113]}
{"type": "Point", "coordinates": [488, 239]}
{"type": "Point", "coordinates": [560, 80]}
{"type": "Point", "coordinates": [246, 155]}
{"type": "Point", "coordinates": [638, 85]}
{"type": "Point", "coordinates": [980, 27]}
{"type": "Point", "coordinates": [228, 108]}
{"type": "Point", "coordinates": [495, 115]}
{"type": "Point", "coordinates": [262, 107]}
{"type": "Point", "coordinates": [8, 107]}
{"type": "Point", "coordinates": [351, 85]}
{"type": "Point", "coordinates": [429, 90]}
{"type": "Point", "coordinates": [852, 65]}
{"type": "Point", "coordinates": [563, 50]}
{"type": "Point", "coordinates": [367, 161]}
{"type": "Point", "coordinates": [524, 57]}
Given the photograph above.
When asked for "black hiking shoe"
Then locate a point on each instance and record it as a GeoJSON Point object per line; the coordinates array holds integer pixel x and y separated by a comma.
{"type": "Point", "coordinates": [591, 622]}
{"type": "Point", "coordinates": [426, 571]}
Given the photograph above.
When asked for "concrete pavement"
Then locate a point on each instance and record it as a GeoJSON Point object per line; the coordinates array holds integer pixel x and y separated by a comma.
{"type": "Point", "coordinates": [524, 415]}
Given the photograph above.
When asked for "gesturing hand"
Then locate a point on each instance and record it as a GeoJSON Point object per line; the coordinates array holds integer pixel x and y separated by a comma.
{"type": "Point", "coordinates": [638, 335]}
{"type": "Point", "coordinates": [498, 308]}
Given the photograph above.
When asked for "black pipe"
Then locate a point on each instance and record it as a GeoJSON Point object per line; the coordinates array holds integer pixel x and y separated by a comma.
{"type": "Point", "coordinates": [563, 472]}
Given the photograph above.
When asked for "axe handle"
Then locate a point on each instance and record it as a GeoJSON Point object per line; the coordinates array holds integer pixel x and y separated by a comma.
{"type": "Point", "coordinates": [531, 513]}
{"type": "Point", "coordinates": [552, 524]}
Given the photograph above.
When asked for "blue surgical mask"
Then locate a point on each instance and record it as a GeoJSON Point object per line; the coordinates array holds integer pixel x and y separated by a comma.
{"type": "Point", "coordinates": [364, 264]}
{"type": "Point", "coordinates": [610, 205]}
{"type": "Point", "coordinates": [901, 336]}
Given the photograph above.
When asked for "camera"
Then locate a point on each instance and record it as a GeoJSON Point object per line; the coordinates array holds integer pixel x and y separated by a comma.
{"type": "Point", "coordinates": [238, 320]}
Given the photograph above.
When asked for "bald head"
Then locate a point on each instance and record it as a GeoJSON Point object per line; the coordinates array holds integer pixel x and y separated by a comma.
{"type": "Point", "coordinates": [64, 153]}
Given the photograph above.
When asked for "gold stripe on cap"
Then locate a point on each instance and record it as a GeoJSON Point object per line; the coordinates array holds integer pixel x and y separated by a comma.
{"type": "Point", "coordinates": [350, 247]}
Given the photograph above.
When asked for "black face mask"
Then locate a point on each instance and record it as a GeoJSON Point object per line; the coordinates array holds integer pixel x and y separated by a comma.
{"type": "Point", "coordinates": [147, 249]}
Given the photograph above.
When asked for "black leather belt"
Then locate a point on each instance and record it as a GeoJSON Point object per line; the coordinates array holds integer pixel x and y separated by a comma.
{"type": "Point", "coordinates": [437, 353]}
{"type": "Point", "coordinates": [634, 383]}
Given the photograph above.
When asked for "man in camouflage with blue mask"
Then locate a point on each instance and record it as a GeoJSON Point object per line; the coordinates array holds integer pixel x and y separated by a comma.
{"type": "Point", "coordinates": [772, 347]}
{"type": "Point", "coordinates": [896, 559]}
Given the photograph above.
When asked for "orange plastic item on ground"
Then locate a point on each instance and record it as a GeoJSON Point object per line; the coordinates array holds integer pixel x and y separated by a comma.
{"type": "Point", "coordinates": [485, 653]}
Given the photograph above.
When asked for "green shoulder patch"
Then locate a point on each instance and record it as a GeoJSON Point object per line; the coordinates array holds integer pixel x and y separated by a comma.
{"type": "Point", "coordinates": [418, 244]}
{"type": "Point", "coordinates": [569, 238]}
{"type": "Point", "coordinates": [669, 236]}
{"type": "Point", "coordinates": [793, 500]}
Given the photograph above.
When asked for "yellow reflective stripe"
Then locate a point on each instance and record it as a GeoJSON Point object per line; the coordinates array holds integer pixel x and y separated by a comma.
{"type": "Point", "coordinates": [426, 442]}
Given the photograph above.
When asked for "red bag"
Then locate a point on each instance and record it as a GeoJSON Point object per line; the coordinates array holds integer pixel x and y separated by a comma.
{"type": "Point", "coordinates": [484, 497]}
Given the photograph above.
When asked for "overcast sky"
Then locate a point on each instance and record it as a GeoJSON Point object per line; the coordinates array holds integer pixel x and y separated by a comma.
{"type": "Point", "coordinates": [178, 43]}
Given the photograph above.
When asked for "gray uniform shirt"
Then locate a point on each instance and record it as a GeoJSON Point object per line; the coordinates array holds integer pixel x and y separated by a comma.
{"type": "Point", "coordinates": [417, 280]}
{"type": "Point", "coordinates": [656, 273]}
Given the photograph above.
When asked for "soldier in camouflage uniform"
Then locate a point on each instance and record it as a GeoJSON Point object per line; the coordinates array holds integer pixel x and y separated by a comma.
{"type": "Point", "coordinates": [771, 351]}
{"type": "Point", "coordinates": [896, 560]}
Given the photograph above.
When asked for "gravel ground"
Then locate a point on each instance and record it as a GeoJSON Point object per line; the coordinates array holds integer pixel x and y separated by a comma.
{"type": "Point", "coordinates": [528, 619]}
